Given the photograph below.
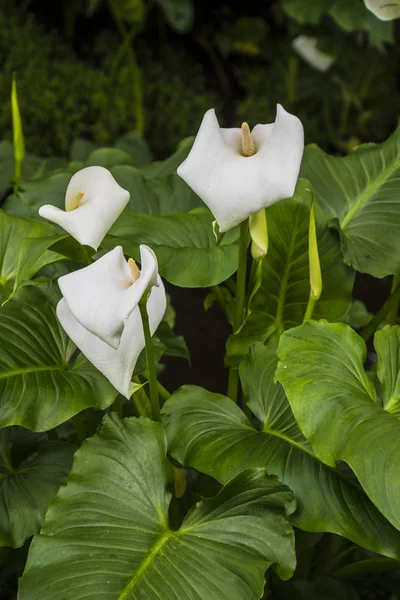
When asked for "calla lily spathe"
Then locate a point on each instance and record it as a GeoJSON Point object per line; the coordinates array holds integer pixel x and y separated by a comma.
{"type": "Point", "coordinates": [102, 296]}
{"type": "Point", "coordinates": [112, 308]}
{"type": "Point", "coordinates": [308, 49]}
{"type": "Point", "coordinates": [93, 202]}
{"type": "Point", "coordinates": [235, 186]}
{"type": "Point", "coordinates": [385, 10]}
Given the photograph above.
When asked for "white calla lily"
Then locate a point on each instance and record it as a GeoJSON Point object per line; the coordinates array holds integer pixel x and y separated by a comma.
{"type": "Point", "coordinates": [237, 173]}
{"type": "Point", "coordinates": [117, 364]}
{"type": "Point", "coordinates": [307, 48]}
{"type": "Point", "coordinates": [103, 295]}
{"type": "Point", "coordinates": [93, 202]}
{"type": "Point", "coordinates": [385, 10]}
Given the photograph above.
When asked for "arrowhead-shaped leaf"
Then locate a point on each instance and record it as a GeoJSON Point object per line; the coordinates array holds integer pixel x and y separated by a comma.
{"type": "Point", "coordinates": [337, 409]}
{"type": "Point", "coordinates": [107, 531]}
{"type": "Point", "coordinates": [38, 388]}
{"type": "Point", "coordinates": [210, 433]}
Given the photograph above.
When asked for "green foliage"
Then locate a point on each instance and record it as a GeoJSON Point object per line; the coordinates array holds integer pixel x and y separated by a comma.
{"type": "Point", "coordinates": [359, 194]}
{"type": "Point", "coordinates": [32, 470]}
{"type": "Point", "coordinates": [35, 362]}
{"type": "Point", "coordinates": [335, 395]}
{"type": "Point", "coordinates": [122, 542]}
{"type": "Point", "coordinates": [187, 252]}
{"type": "Point", "coordinates": [84, 99]}
{"type": "Point", "coordinates": [282, 294]}
{"type": "Point", "coordinates": [211, 434]}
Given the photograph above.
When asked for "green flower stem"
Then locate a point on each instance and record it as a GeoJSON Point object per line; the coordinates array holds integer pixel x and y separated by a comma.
{"type": "Point", "coordinates": [136, 73]}
{"type": "Point", "coordinates": [380, 316]}
{"type": "Point", "coordinates": [151, 367]}
{"type": "Point", "coordinates": [310, 309]}
{"type": "Point", "coordinates": [162, 391]}
{"type": "Point", "coordinates": [366, 567]}
{"type": "Point", "coordinates": [233, 382]}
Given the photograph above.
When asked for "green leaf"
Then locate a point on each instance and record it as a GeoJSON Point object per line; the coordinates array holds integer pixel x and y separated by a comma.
{"type": "Point", "coordinates": [306, 12]}
{"type": "Point", "coordinates": [357, 315]}
{"type": "Point", "coordinates": [187, 252]}
{"type": "Point", "coordinates": [108, 158]}
{"type": "Point", "coordinates": [210, 433]}
{"type": "Point", "coordinates": [353, 16]}
{"type": "Point", "coordinates": [282, 297]}
{"type": "Point", "coordinates": [175, 345]}
{"type": "Point", "coordinates": [136, 147]}
{"type": "Point", "coordinates": [360, 194]}
{"type": "Point", "coordinates": [34, 194]}
{"type": "Point", "coordinates": [120, 544]}
{"type": "Point", "coordinates": [28, 486]}
{"type": "Point", "coordinates": [38, 388]}
{"type": "Point", "coordinates": [14, 232]}
{"type": "Point", "coordinates": [387, 346]}
{"type": "Point", "coordinates": [334, 403]}
{"type": "Point", "coordinates": [156, 189]}
{"type": "Point", "coordinates": [178, 13]}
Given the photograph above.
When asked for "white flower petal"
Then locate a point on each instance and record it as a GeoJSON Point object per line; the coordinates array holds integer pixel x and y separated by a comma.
{"type": "Point", "coordinates": [101, 296]}
{"type": "Point", "coordinates": [234, 186]}
{"type": "Point", "coordinates": [116, 364]}
{"type": "Point", "coordinates": [385, 10]}
{"type": "Point", "coordinates": [306, 47]}
{"type": "Point", "coordinates": [102, 202]}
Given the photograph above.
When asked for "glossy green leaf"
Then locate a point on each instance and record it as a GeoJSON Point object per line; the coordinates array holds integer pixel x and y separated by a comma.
{"type": "Point", "coordinates": [360, 194]}
{"type": "Point", "coordinates": [175, 345]}
{"type": "Point", "coordinates": [187, 252]}
{"type": "Point", "coordinates": [282, 297]}
{"type": "Point", "coordinates": [28, 486]}
{"type": "Point", "coordinates": [178, 13]}
{"type": "Point", "coordinates": [14, 232]}
{"type": "Point", "coordinates": [210, 433]}
{"type": "Point", "coordinates": [334, 403]}
{"type": "Point", "coordinates": [387, 346]}
{"type": "Point", "coordinates": [38, 388]}
{"type": "Point", "coordinates": [107, 532]}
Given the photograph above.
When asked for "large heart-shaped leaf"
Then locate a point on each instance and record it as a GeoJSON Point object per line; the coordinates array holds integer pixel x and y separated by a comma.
{"type": "Point", "coordinates": [39, 389]}
{"type": "Point", "coordinates": [28, 486]}
{"type": "Point", "coordinates": [360, 193]}
{"type": "Point", "coordinates": [107, 531]}
{"type": "Point", "coordinates": [13, 233]}
{"type": "Point", "coordinates": [187, 252]}
{"type": "Point", "coordinates": [281, 300]}
{"type": "Point", "coordinates": [210, 433]}
{"type": "Point", "coordinates": [335, 405]}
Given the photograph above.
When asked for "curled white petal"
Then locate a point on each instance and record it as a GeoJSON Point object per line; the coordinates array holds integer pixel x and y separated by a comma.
{"type": "Point", "coordinates": [385, 10]}
{"type": "Point", "coordinates": [116, 364]}
{"type": "Point", "coordinates": [307, 48]}
{"type": "Point", "coordinates": [102, 201]}
{"type": "Point", "coordinates": [102, 296]}
{"type": "Point", "coordinates": [234, 186]}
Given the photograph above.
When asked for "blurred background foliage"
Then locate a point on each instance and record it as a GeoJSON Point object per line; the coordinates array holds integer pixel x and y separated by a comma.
{"type": "Point", "coordinates": [99, 68]}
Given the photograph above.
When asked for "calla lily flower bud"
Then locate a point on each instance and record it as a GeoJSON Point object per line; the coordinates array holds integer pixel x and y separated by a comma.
{"type": "Point", "coordinates": [93, 202]}
{"type": "Point", "coordinates": [259, 234]}
{"type": "Point", "coordinates": [385, 10]}
{"type": "Point", "coordinates": [237, 173]}
{"type": "Point", "coordinates": [111, 307]}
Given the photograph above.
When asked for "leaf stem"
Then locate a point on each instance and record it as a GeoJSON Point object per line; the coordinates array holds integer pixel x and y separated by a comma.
{"type": "Point", "coordinates": [310, 309]}
{"type": "Point", "coordinates": [392, 315]}
{"type": "Point", "coordinates": [380, 316]}
{"type": "Point", "coordinates": [162, 391]}
{"type": "Point", "coordinates": [233, 381]}
{"type": "Point", "coordinates": [365, 567]}
{"type": "Point", "coordinates": [151, 367]}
